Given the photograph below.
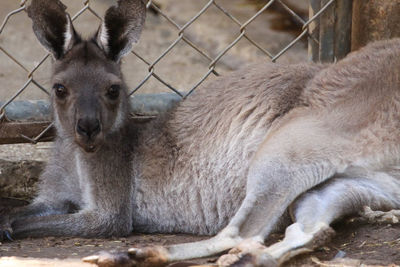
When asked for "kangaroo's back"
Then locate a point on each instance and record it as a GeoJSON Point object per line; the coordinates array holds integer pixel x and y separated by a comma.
{"type": "Point", "coordinates": [357, 100]}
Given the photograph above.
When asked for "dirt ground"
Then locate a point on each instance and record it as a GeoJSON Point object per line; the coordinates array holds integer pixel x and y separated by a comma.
{"type": "Point", "coordinates": [368, 244]}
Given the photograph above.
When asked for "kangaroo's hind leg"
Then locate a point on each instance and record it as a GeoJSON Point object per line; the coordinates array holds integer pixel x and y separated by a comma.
{"type": "Point", "coordinates": [314, 211]}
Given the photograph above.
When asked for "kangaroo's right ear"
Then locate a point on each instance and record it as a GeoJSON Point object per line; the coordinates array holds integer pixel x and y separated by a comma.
{"type": "Point", "coordinates": [53, 26]}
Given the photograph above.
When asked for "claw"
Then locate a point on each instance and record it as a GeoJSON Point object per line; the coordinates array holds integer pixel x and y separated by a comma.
{"type": "Point", "coordinates": [137, 253]}
{"type": "Point", "coordinates": [91, 259]}
{"type": "Point", "coordinates": [5, 235]}
{"type": "Point", "coordinates": [8, 235]}
{"type": "Point", "coordinates": [149, 256]}
{"type": "Point", "coordinates": [133, 251]}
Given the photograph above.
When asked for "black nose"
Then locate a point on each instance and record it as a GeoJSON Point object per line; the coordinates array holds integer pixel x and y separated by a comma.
{"type": "Point", "coordinates": [88, 127]}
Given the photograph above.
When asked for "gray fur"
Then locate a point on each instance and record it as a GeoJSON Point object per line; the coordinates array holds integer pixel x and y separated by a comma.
{"type": "Point", "coordinates": [231, 159]}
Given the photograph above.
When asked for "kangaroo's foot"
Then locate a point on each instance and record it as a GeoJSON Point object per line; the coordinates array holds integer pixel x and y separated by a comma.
{"type": "Point", "coordinates": [144, 257]}
{"type": "Point", "coordinates": [296, 242]}
{"type": "Point", "coordinates": [376, 216]}
{"type": "Point", "coordinates": [110, 259]}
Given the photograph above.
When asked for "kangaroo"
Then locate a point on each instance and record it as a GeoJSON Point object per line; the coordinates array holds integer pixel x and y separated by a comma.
{"type": "Point", "coordinates": [266, 147]}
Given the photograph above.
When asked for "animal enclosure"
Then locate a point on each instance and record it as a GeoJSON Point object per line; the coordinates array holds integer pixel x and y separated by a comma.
{"type": "Point", "coordinates": [184, 44]}
{"type": "Point", "coordinates": [198, 40]}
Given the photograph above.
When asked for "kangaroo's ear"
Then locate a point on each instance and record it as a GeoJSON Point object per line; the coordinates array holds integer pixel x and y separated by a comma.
{"type": "Point", "coordinates": [121, 28]}
{"type": "Point", "coordinates": [52, 26]}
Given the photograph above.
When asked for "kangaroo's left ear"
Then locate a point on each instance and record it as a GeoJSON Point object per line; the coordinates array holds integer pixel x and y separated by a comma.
{"type": "Point", "coordinates": [121, 27]}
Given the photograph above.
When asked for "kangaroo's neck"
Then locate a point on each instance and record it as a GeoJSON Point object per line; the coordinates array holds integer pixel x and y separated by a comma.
{"type": "Point", "coordinates": [105, 171]}
{"type": "Point", "coordinates": [115, 154]}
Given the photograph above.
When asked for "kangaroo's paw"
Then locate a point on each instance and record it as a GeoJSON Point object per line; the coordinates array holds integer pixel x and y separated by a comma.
{"type": "Point", "coordinates": [289, 247]}
{"type": "Point", "coordinates": [296, 242]}
{"type": "Point", "coordinates": [247, 253]}
{"type": "Point", "coordinates": [236, 253]}
{"type": "Point", "coordinates": [376, 216]}
{"type": "Point", "coordinates": [149, 256]}
{"type": "Point", "coordinates": [255, 259]}
{"type": "Point", "coordinates": [110, 259]}
{"type": "Point", "coordinates": [141, 257]}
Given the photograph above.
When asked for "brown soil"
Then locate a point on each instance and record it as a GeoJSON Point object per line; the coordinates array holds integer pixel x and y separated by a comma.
{"type": "Point", "coordinates": [372, 244]}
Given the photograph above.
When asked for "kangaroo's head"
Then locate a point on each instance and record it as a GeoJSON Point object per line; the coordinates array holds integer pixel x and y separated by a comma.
{"type": "Point", "coordinates": [89, 96]}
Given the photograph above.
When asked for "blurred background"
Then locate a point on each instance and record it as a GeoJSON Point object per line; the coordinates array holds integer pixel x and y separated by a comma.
{"type": "Point", "coordinates": [182, 67]}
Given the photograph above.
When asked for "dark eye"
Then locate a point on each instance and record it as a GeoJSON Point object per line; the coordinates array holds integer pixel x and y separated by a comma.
{"type": "Point", "coordinates": [60, 90]}
{"type": "Point", "coordinates": [113, 91]}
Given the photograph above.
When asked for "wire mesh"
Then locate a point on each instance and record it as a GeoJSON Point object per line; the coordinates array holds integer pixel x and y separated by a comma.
{"type": "Point", "coordinates": [182, 37]}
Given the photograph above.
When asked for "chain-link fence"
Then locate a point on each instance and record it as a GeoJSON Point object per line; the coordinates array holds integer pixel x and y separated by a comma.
{"type": "Point", "coordinates": [326, 28]}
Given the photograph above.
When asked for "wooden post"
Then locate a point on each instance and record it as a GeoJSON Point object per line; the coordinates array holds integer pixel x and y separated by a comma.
{"type": "Point", "coordinates": [343, 23]}
{"type": "Point", "coordinates": [327, 33]}
{"type": "Point", "coordinates": [374, 20]}
{"type": "Point", "coordinates": [332, 29]}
